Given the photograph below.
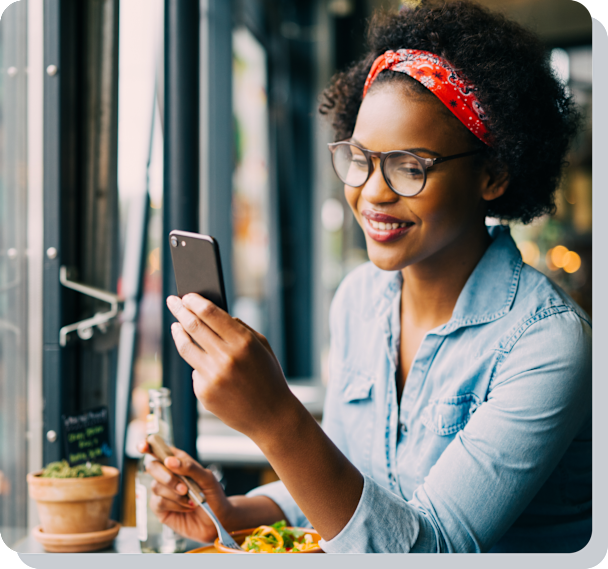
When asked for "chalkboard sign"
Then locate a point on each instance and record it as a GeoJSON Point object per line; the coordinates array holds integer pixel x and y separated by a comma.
{"type": "Point", "coordinates": [87, 436]}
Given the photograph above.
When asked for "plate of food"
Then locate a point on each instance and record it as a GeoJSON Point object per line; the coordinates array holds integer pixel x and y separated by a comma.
{"type": "Point", "coordinates": [276, 538]}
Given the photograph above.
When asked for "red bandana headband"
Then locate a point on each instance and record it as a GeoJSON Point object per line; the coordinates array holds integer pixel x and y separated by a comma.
{"type": "Point", "coordinates": [439, 77]}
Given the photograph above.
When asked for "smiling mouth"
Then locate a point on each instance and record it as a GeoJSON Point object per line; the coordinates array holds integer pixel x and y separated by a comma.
{"type": "Point", "coordinates": [384, 231]}
{"type": "Point", "coordinates": [387, 226]}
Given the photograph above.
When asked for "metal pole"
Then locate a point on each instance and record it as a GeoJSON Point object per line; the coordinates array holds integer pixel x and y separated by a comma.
{"type": "Point", "coordinates": [180, 197]}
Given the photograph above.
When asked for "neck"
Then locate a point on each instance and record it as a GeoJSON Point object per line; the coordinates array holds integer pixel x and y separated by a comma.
{"type": "Point", "coordinates": [431, 288]}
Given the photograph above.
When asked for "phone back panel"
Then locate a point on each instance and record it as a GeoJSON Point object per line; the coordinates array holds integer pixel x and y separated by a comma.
{"type": "Point", "coordinates": [198, 268]}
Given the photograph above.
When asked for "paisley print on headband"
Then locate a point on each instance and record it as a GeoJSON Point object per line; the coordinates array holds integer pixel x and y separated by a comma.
{"type": "Point", "coordinates": [439, 77]}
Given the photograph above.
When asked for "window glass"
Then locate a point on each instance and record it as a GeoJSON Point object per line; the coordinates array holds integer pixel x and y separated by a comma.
{"type": "Point", "coordinates": [140, 172]}
{"type": "Point", "coordinates": [251, 252]}
{"type": "Point", "coordinates": [13, 275]}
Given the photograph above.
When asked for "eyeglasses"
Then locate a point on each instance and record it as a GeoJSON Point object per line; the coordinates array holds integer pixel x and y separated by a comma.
{"type": "Point", "coordinates": [404, 172]}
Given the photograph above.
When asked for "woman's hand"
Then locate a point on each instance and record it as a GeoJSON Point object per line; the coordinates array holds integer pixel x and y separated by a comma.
{"type": "Point", "coordinates": [171, 504]}
{"type": "Point", "coordinates": [236, 376]}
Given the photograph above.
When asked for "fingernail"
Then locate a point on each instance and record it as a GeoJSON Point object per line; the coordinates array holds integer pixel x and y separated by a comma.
{"type": "Point", "coordinates": [191, 503]}
{"type": "Point", "coordinates": [182, 489]}
{"type": "Point", "coordinates": [193, 300]}
{"type": "Point", "coordinates": [173, 462]}
{"type": "Point", "coordinates": [140, 447]}
{"type": "Point", "coordinates": [174, 327]}
{"type": "Point", "coordinates": [173, 301]}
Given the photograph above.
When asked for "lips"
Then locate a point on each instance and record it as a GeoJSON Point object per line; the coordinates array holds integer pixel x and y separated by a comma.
{"type": "Point", "coordinates": [381, 217]}
{"type": "Point", "coordinates": [385, 228]}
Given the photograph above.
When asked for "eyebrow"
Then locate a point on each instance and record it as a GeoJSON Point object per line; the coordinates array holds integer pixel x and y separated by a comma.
{"type": "Point", "coordinates": [413, 150]}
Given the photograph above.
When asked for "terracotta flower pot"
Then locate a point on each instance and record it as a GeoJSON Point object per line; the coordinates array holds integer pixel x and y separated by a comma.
{"type": "Point", "coordinates": [74, 505]}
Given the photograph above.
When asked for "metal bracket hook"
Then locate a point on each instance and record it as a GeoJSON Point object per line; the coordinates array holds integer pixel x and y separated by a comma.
{"type": "Point", "coordinates": [84, 328]}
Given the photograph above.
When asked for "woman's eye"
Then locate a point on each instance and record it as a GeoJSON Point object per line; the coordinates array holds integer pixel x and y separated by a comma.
{"type": "Point", "coordinates": [410, 171]}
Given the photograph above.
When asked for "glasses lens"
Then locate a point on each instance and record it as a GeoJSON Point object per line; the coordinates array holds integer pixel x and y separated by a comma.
{"type": "Point", "coordinates": [404, 173]}
{"type": "Point", "coordinates": [350, 164]}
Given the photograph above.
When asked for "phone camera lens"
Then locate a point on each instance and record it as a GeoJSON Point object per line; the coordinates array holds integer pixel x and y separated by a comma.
{"type": "Point", "coordinates": [174, 241]}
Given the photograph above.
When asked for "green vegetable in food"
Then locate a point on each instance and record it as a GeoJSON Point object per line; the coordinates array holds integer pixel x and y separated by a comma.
{"type": "Point", "coordinates": [288, 535]}
{"type": "Point", "coordinates": [64, 470]}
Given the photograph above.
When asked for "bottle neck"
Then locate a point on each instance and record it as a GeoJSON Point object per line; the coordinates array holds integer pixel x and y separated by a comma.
{"type": "Point", "coordinates": [160, 422]}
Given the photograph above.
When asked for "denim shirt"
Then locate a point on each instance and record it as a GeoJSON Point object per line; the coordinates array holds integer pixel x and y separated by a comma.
{"type": "Point", "coordinates": [490, 447]}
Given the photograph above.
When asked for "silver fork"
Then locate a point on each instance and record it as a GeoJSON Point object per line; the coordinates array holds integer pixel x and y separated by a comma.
{"type": "Point", "coordinates": [161, 450]}
{"type": "Point", "coordinates": [225, 538]}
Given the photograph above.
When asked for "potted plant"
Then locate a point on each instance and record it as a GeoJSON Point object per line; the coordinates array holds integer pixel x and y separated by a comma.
{"type": "Point", "coordinates": [74, 500]}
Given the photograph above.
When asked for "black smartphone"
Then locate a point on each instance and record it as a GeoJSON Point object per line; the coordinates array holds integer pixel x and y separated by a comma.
{"type": "Point", "coordinates": [197, 266]}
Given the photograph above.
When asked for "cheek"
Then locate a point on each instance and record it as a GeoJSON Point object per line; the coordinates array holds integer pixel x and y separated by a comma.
{"type": "Point", "coordinates": [450, 204]}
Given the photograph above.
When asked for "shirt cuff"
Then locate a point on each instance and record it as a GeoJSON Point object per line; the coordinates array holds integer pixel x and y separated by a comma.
{"type": "Point", "coordinates": [382, 523]}
{"type": "Point", "coordinates": [277, 492]}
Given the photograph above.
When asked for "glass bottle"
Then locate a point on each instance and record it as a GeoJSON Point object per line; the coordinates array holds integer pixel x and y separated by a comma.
{"type": "Point", "coordinates": [155, 537]}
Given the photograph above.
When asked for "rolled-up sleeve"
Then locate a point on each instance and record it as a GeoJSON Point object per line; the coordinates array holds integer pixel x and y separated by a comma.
{"type": "Point", "coordinates": [372, 526]}
{"type": "Point", "coordinates": [539, 399]}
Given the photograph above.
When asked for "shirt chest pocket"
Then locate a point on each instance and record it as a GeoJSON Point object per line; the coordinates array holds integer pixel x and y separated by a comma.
{"type": "Point", "coordinates": [358, 417]}
{"type": "Point", "coordinates": [442, 419]}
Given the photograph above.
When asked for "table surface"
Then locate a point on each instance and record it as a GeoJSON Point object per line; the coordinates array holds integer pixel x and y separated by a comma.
{"type": "Point", "coordinates": [126, 542]}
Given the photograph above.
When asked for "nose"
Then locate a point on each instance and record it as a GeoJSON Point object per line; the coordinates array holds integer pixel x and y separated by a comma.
{"type": "Point", "coordinates": [376, 190]}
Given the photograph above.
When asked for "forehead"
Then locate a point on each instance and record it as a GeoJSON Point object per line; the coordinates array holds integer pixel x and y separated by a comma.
{"type": "Point", "coordinates": [392, 117]}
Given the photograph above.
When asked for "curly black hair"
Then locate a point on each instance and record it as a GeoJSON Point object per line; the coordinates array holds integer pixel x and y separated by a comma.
{"type": "Point", "coordinates": [531, 115]}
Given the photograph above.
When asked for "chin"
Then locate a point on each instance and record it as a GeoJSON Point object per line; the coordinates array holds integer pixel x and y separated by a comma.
{"type": "Point", "coordinates": [387, 262]}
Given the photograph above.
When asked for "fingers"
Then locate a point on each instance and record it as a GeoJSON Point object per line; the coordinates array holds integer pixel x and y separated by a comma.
{"type": "Point", "coordinates": [214, 317]}
{"type": "Point", "coordinates": [164, 476]}
{"type": "Point", "coordinates": [160, 505]}
{"type": "Point", "coordinates": [171, 500]}
{"type": "Point", "coordinates": [197, 329]}
{"type": "Point", "coordinates": [187, 348]}
{"type": "Point", "coordinates": [182, 463]}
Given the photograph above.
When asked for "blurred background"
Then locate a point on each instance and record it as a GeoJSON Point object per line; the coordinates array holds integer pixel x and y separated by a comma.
{"type": "Point", "coordinates": [120, 121]}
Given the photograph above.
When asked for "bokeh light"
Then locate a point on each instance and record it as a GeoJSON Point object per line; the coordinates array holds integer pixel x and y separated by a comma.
{"type": "Point", "coordinates": [572, 262]}
{"type": "Point", "coordinates": [557, 255]}
{"type": "Point", "coordinates": [154, 260]}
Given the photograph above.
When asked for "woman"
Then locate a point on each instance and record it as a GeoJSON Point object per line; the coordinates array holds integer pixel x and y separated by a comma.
{"type": "Point", "coordinates": [458, 412]}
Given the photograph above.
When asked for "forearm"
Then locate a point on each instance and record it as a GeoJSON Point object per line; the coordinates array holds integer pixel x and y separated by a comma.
{"type": "Point", "coordinates": [322, 481]}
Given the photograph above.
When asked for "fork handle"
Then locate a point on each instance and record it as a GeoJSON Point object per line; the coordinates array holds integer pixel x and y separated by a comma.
{"type": "Point", "coordinates": [161, 450]}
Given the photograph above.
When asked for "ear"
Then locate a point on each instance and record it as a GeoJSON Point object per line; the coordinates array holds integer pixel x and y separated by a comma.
{"type": "Point", "coordinates": [496, 182]}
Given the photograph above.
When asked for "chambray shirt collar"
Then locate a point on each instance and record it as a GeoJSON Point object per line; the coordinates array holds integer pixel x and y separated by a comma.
{"type": "Point", "coordinates": [487, 295]}
{"type": "Point", "coordinates": [490, 290]}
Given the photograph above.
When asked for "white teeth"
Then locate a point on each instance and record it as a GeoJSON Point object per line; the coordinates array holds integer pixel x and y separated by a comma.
{"type": "Point", "coordinates": [386, 226]}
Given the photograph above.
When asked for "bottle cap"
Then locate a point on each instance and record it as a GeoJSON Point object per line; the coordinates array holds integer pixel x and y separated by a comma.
{"type": "Point", "coordinates": [160, 397]}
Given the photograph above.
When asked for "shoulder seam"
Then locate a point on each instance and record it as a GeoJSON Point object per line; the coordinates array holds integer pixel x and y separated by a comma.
{"type": "Point", "coordinates": [510, 344]}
